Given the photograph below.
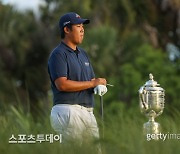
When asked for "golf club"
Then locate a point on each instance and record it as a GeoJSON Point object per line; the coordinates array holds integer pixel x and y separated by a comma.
{"type": "Point", "coordinates": [102, 110]}
{"type": "Point", "coordinates": [102, 115]}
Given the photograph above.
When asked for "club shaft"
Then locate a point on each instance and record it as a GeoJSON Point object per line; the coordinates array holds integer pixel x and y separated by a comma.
{"type": "Point", "coordinates": [110, 85]}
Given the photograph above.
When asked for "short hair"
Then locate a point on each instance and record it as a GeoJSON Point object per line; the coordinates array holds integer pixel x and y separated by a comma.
{"type": "Point", "coordinates": [62, 30]}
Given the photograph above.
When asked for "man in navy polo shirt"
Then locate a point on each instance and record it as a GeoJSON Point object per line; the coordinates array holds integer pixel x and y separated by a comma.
{"type": "Point", "coordinates": [73, 83]}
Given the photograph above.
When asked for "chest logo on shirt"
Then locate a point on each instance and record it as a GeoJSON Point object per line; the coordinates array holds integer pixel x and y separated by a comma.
{"type": "Point", "coordinates": [86, 64]}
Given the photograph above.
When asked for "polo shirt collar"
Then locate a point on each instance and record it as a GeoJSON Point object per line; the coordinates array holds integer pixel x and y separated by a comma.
{"type": "Point", "coordinates": [70, 49]}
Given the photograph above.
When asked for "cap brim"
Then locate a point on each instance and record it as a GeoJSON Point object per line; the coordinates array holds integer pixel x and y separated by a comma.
{"type": "Point", "coordinates": [87, 21]}
{"type": "Point", "coordinates": [82, 21]}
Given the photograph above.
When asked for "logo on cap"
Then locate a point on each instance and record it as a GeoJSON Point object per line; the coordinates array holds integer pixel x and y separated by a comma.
{"type": "Point", "coordinates": [65, 23]}
{"type": "Point", "coordinates": [78, 16]}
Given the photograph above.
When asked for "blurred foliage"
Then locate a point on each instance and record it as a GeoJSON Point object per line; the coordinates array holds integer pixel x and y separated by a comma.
{"type": "Point", "coordinates": [122, 133]}
{"type": "Point", "coordinates": [126, 40]}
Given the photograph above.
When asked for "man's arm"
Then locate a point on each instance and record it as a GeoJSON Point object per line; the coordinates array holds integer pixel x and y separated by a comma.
{"type": "Point", "coordinates": [63, 84]}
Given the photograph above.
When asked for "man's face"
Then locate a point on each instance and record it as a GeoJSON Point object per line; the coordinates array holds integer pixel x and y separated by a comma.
{"type": "Point", "coordinates": [76, 34]}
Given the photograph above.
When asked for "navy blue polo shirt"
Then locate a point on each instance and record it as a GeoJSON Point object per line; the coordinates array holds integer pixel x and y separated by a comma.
{"type": "Point", "coordinates": [75, 65]}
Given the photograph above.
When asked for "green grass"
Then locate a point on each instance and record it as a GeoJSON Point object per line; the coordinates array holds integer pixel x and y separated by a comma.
{"type": "Point", "coordinates": [122, 132]}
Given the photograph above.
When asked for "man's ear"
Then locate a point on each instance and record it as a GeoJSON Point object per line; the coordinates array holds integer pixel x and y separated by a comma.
{"type": "Point", "coordinates": [66, 29]}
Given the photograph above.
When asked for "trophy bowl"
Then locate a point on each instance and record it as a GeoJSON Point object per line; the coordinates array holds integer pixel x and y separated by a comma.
{"type": "Point", "coordinates": [151, 101]}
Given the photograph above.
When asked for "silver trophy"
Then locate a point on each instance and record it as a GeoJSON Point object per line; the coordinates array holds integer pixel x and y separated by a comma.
{"type": "Point", "coordinates": [151, 97]}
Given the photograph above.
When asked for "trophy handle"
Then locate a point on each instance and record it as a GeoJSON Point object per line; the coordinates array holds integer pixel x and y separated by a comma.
{"type": "Point", "coordinates": [141, 92]}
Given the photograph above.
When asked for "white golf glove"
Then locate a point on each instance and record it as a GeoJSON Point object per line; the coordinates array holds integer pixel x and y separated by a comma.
{"type": "Point", "coordinates": [100, 90]}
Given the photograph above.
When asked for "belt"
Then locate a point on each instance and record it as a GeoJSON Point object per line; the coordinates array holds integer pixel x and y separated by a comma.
{"type": "Point", "coordinates": [89, 109]}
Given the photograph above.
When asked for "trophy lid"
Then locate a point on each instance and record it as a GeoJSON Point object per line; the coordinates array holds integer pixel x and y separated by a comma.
{"type": "Point", "coordinates": [152, 85]}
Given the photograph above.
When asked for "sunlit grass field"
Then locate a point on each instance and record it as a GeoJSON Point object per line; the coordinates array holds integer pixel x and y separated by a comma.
{"type": "Point", "coordinates": [122, 132]}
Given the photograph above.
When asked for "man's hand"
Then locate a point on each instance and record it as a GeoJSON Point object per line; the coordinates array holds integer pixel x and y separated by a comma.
{"type": "Point", "coordinates": [98, 81]}
{"type": "Point", "coordinates": [100, 90]}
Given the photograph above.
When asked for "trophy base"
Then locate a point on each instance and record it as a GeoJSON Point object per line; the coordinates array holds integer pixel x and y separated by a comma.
{"type": "Point", "coordinates": [151, 127]}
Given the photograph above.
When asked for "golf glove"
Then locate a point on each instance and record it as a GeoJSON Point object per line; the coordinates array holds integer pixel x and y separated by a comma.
{"type": "Point", "coordinates": [100, 90]}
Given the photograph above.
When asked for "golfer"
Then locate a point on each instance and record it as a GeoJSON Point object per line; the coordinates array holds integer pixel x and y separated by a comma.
{"type": "Point", "coordinates": [73, 83]}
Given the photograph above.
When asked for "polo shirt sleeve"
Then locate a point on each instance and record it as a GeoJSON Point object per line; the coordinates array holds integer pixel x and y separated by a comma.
{"type": "Point", "coordinates": [57, 66]}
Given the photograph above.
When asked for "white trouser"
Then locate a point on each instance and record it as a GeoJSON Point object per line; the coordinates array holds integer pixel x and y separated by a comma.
{"type": "Point", "coordinates": [74, 122]}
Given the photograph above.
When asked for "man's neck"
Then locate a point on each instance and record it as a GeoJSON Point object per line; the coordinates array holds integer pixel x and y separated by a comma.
{"type": "Point", "coordinates": [69, 44]}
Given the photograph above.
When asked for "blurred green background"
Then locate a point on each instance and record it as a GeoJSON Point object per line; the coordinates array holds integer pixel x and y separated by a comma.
{"type": "Point", "coordinates": [126, 40]}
